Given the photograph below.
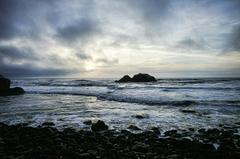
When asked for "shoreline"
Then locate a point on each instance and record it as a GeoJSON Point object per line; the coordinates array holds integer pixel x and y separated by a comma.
{"type": "Point", "coordinates": [21, 141]}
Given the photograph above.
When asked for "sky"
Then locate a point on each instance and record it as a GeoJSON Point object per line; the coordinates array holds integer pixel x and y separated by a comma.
{"type": "Point", "coordinates": [111, 38]}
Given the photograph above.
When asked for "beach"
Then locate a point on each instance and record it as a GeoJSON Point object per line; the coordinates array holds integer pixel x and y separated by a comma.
{"type": "Point", "coordinates": [20, 141]}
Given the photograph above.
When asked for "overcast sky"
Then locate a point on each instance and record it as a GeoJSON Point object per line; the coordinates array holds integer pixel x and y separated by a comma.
{"type": "Point", "coordinates": [110, 38]}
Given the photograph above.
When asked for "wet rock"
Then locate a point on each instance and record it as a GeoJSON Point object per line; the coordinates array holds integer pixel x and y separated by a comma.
{"type": "Point", "coordinates": [48, 124]}
{"type": "Point", "coordinates": [84, 155]}
{"type": "Point", "coordinates": [87, 122]}
{"type": "Point", "coordinates": [125, 78]}
{"type": "Point", "coordinates": [5, 89]}
{"type": "Point", "coordinates": [26, 142]}
{"type": "Point", "coordinates": [202, 130]}
{"type": "Point", "coordinates": [214, 131]}
{"type": "Point", "coordinates": [4, 83]}
{"type": "Point", "coordinates": [140, 147]}
{"type": "Point", "coordinates": [188, 111]}
{"type": "Point", "coordinates": [141, 77]}
{"type": "Point", "coordinates": [133, 127]}
{"type": "Point", "coordinates": [191, 129]}
{"type": "Point", "coordinates": [156, 130]}
{"type": "Point", "coordinates": [170, 132]}
{"type": "Point", "coordinates": [99, 126]}
{"type": "Point", "coordinates": [12, 91]}
{"type": "Point", "coordinates": [141, 116]}
{"type": "Point", "coordinates": [125, 132]}
{"type": "Point", "coordinates": [92, 152]}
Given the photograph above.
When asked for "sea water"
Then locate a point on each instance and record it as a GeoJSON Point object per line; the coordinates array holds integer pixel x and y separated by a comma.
{"type": "Point", "coordinates": [164, 104]}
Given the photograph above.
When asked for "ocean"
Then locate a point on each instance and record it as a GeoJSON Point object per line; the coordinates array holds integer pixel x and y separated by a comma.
{"type": "Point", "coordinates": [167, 103]}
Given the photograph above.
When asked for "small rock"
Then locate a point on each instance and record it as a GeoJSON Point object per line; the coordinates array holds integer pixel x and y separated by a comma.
{"type": "Point", "coordinates": [191, 129]}
{"type": "Point", "coordinates": [85, 155]}
{"type": "Point", "coordinates": [188, 111]}
{"type": "Point", "coordinates": [170, 132]}
{"type": "Point", "coordinates": [156, 130]}
{"type": "Point", "coordinates": [133, 127]}
{"type": "Point", "coordinates": [140, 147]}
{"type": "Point", "coordinates": [99, 126]}
{"type": "Point", "coordinates": [48, 124]}
{"type": "Point", "coordinates": [202, 130]}
{"type": "Point", "coordinates": [87, 122]}
{"type": "Point", "coordinates": [93, 152]}
{"type": "Point", "coordinates": [139, 117]}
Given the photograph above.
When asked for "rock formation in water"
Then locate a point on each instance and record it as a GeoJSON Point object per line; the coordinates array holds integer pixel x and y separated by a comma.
{"type": "Point", "coordinates": [5, 89]}
{"type": "Point", "coordinates": [140, 77]}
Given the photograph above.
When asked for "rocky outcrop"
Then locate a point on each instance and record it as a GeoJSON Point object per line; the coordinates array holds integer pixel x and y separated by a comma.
{"type": "Point", "coordinates": [5, 89]}
{"type": "Point", "coordinates": [4, 83]}
{"type": "Point", "coordinates": [99, 126]}
{"type": "Point", "coordinates": [125, 78]}
{"type": "Point", "coordinates": [23, 141]}
{"type": "Point", "coordinates": [140, 77]}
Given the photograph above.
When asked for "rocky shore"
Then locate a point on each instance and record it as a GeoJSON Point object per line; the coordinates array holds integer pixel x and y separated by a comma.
{"type": "Point", "coordinates": [21, 141]}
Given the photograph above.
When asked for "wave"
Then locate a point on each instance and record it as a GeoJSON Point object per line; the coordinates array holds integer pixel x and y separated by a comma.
{"type": "Point", "coordinates": [61, 83]}
{"type": "Point", "coordinates": [147, 101]}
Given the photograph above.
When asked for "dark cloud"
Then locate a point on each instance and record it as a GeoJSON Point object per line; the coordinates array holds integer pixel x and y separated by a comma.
{"type": "Point", "coordinates": [192, 44]}
{"type": "Point", "coordinates": [81, 29]}
{"type": "Point", "coordinates": [83, 56]}
{"type": "Point", "coordinates": [18, 17]}
{"type": "Point", "coordinates": [13, 53]}
{"type": "Point", "coordinates": [151, 10]}
{"type": "Point", "coordinates": [234, 40]}
{"type": "Point", "coordinates": [16, 62]}
{"type": "Point", "coordinates": [28, 70]}
{"type": "Point", "coordinates": [8, 8]}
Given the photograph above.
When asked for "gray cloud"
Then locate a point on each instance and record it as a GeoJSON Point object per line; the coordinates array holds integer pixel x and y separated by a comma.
{"type": "Point", "coordinates": [7, 16]}
{"type": "Point", "coordinates": [151, 10]}
{"type": "Point", "coordinates": [106, 61]}
{"type": "Point", "coordinates": [12, 70]}
{"type": "Point", "coordinates": [81, 29]}
{"type": "Point", "coordinates": [191, 44]}
{"type": "Point", "coordinates": [83, 56]}
{"type": "Point", "coordinates": [13, 53]}
{"type": "Point", "coordinates": [11, 56]}
{"type": "Point", "coordinates": [234, 40]}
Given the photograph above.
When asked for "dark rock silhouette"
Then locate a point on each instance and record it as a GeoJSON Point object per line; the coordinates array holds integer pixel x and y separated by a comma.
{"type": "Point", "coordinates": [140, 77]}
{"type": "Point", "coordinates": [99, 126]}
{"type": "Point", "coordinates": [88, 122]}
{"type": "Point", "coordinates": [133, 127]}
{"type": "Point", "coordinates": [125, 78]}
{"type": "Point", "coordinates": [5, 89]}
{"type": "Point", "coordinates": [4, 83]}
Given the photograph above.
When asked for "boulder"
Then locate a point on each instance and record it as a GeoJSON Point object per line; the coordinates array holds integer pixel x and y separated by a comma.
{"type": "Point", "coordinates": [12, 91]}
{"type": "Point", "coordinates": [88, 122]}
{"type": "Point", "coordinates": [4, 83]}
{"type": "Point", "coordinates": [125, 78]}
{"type": "Point", "coordinates": [99, 126]}
{"type": "Point", "coordinates": [5, 89]}
{"type": "Point", "coordinates": [133, 127]}
{"type": "Point", "coordinates": [141, 77]}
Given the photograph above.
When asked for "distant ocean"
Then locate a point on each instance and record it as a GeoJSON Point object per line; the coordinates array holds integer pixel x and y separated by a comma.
{"type": "Point", "coordinates": [167, 103]}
